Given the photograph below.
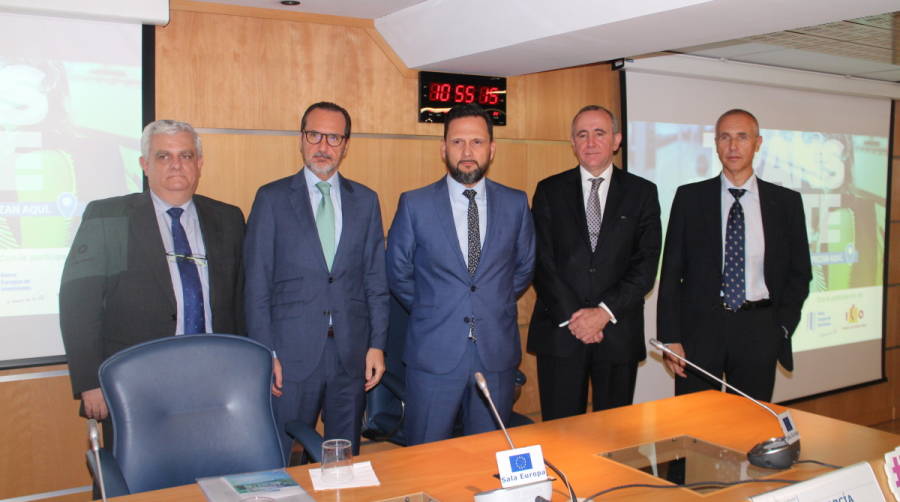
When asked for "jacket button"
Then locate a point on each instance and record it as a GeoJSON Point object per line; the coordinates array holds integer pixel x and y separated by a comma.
{"type": "Point", "coordinates": [330, 280]}
{"type": "Point", "coordinates": [174, 317]}
{"type": "Point", "coordinates": [466, 320]}
{"type": "Point", "coordinates": [473, 288]}
{"type": "Point", "coordinates": [592, 270]}
{"type": "Point", "coordinates": [326, 312]}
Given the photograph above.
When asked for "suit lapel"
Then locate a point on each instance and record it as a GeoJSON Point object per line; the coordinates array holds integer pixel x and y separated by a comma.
{"type": "Point", "coordinates": [299, 198]}
{"type": "Point", "coordinates": [492, 221]}
{"type": "Point", "coordinates": [444, 213]}
{"type": "Point", "coordinates": [574, 197]}
{"type": "Point", "coordinates": [711, 209]}
{"type": "Point", "coordinates": [213, 240]}
{"type": "Point", "coordinates": [148, 243]}
{"type": "Point", "coordinates": [614, 197]}
{"type": "Point", "coordinates": [350, 220]}
{"type": "Point", "coordinates": [768, 208]}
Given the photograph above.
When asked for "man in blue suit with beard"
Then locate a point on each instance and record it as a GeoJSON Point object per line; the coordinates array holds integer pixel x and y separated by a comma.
{"type": "Point", "coordinates": [315, 290]}
{"type": "Point", "coordinates": [460, 252]}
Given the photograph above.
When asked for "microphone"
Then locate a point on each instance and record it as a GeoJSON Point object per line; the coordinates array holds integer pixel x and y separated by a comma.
{"type": "Point", "coordinates": [482, 385]}
{"type": "Point", "coordinates": [773, 453]}
{"type": "Point", "coordinates": [94, 437]}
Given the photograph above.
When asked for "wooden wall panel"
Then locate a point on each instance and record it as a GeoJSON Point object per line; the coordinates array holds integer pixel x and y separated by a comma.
{"type": "Point", "coordinates": [895, 186]}
{"type": "Point", "coordinates": [869, 405]}
{"type": "Point", "coordinates": [43, 438]}
{"type": "Point", "coordinates": [892, 323]}
{"type": "Point", "coordinates": [894, 256]}
{"type": "Point", "coordinates": [274, 69]}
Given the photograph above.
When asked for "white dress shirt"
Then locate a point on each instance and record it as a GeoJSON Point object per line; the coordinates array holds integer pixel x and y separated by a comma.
{"type": "Point", "coordinates": [602, 195]}
{"type": "Point", "coordinates": [191, 224]}
{"type": "Point", "coordinates": [459, 205]}
{"type": "Point", "coordinates": [754, 239]}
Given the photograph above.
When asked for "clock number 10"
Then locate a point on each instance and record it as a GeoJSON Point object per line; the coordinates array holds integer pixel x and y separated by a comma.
{"type": "Point", "coordinates": [463, 93]}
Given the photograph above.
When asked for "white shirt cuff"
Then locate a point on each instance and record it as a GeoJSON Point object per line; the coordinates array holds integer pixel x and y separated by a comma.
{"type": "Point", "coordinates": [612, 317]}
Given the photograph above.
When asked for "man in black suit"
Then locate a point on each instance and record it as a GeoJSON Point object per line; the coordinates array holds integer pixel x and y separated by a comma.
{"type": "Point", "coordinates": [598, 243]}
{"type": "Point", "coordinates": [736, 270]}
{"type": "Point", "coordinates": [148, 265]}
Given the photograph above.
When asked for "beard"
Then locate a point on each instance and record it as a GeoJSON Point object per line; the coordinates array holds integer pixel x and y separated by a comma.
{"type": "Point", "coordinates": [321, 169]}
{"type": "Point", "coordinates": [467, 177]}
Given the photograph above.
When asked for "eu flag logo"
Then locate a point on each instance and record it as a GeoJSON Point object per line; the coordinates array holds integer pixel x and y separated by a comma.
{"type": "Point", "coordinates": [788, 426]}
{"type": "Point", "coordinates": [521, 462]}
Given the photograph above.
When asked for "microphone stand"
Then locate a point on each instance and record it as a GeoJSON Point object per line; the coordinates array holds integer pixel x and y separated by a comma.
{"type": "Point", "coordinates": [773, 453]}
{"type": "Point", "coordinates": [482, 385]}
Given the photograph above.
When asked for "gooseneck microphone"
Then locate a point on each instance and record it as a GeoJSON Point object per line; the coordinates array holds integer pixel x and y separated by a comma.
{"type": "Point", "coordinates": [773, 453]}
{"type": "Point", "coordinates": [482, 385]}
{"type": "Point", "coordinates": [94, 436]}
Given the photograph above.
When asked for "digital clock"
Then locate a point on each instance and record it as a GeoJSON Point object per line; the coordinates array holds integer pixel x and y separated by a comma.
{"type": "Point", "coordinates": [438, 92]}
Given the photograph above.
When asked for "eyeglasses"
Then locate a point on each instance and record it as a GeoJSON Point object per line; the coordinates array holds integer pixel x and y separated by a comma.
{"type": "Point", "coordinates": [315, 137]}
{"type": "Point", "coordinates": [197, 259]}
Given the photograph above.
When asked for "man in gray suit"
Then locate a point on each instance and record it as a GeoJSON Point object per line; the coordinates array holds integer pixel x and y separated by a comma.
{"type": "Point", "coordinates": [148, 265]}
{"type": "Point", "coordinates": [316, 290]}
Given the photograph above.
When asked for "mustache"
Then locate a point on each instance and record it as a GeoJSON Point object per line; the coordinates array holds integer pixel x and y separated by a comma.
{"type": "Point", "coordinates": [321, 155]}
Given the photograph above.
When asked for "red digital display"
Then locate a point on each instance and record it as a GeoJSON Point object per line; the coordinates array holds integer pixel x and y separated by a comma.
{"type": "Point", "coordinates": [443, 92]}
{"type": "Point", "coordinates": [439, 92]}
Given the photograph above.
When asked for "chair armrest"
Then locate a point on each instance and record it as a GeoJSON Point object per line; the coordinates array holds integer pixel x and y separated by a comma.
{"type": "Point", "coordinates": [112, 476]}
{"type": "Point", "coordinates": [308, 437]}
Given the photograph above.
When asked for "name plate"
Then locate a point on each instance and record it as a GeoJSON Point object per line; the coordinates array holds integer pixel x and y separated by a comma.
{"type": "Point", "coordinates": [521, 466]}
{"type": "Point", "coordinates": [856, 483]}
{"type": "Point", "coordinates": [791, 434]}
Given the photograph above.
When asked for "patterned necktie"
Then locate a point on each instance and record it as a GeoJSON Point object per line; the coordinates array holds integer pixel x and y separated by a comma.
{"type": "Point", "coordinates": [325, 222]}
{"type": "Point", "coordinates": [474, 232]}
{"type": "Point", "coordinates": [733, 281]}
{"type": "Point", "coordinates": [594, 213]}
{"type": "Point", "coordinates": [191, 289]}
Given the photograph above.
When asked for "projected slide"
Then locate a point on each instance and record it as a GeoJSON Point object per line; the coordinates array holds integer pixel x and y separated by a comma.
{"type": "Point", "coordinates": [842, 178]}
{"type": "Point", "coordinates": [70, 117]}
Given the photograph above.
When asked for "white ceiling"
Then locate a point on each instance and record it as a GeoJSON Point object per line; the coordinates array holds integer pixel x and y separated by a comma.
{"type": "Point", "coordinates": [513, 37]}
{"type": "Point", "coordinates": [367, 9]}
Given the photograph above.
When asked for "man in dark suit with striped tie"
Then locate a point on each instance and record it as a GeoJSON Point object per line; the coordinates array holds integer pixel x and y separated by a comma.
{"type": "Point", "coordinates": [736, 270]}
{"type": "Point", "coordinates": [598, 242]}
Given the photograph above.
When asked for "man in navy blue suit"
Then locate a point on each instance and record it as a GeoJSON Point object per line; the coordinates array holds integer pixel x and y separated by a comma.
{"type": "Point", "coordinates": [460, 252]}
{"type": "Point", "coordinates": [315, 285]}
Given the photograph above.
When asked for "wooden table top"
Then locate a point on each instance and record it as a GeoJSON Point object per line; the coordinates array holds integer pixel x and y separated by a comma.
{"type": "Point", "coordinates": [457, 469]}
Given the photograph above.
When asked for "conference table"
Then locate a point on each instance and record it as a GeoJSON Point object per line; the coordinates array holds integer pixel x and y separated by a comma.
{"type": "Point", "coordinates": [457, 469]}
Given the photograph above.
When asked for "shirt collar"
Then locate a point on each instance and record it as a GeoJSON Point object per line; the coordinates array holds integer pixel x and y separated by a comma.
{"type": "Point", "coordinates": [161, 206]}
{"type": "Point", "coordinates": [586, 175]}
{"type": "Point", "coordinates": [457, 187]}
{"type": "Point", "coordinates": [312, 179]}
{"type": "Point", "coordinates": [749, 185]}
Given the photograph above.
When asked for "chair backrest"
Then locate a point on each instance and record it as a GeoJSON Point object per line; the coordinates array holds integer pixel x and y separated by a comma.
{"type": "Point", "coordinates": [191, 406]}
{"type": "Point", "coordinates": [384, 412]}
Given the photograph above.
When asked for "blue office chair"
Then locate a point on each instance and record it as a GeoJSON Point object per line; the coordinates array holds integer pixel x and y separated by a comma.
{"type": "Point", "coordinates": [386, 403]}
{"type": "Point", "coordinates": [186, 407]}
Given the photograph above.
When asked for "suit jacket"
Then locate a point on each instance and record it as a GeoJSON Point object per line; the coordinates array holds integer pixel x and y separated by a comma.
{"type": "Point", "coordinates": [291, 294]}
{"type": "Point", "coordinates": [116, 290]}
{"type": "Point", "coordinates": [428, 275]}
{"type": "Point", "coordinates": [619, 272]}
{"type": "Point", "coordinates": [691, 278]}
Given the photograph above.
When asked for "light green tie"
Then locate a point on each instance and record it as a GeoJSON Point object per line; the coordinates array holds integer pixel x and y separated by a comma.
{"type": "Point", "coordinates": [325, 222]}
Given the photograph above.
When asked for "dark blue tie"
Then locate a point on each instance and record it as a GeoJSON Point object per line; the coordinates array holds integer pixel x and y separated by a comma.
{"type": "Point", "coordinates": [733, 281]}
{"type": "Point", "coordinates": [191, 289]}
